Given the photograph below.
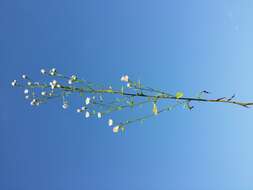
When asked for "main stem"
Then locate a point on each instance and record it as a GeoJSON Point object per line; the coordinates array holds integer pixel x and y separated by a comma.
{"type": "Point", "coordinates": [156, 97]}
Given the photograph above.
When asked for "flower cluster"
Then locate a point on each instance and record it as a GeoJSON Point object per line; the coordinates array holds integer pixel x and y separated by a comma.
{"type": "Point", "coordinates": [94, 105]}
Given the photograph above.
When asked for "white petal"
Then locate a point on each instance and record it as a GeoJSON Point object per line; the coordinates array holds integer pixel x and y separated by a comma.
{"type": "Point", "coordinates": [87, 101]}
{"type": "Point", "coordinates": [87, 114]}
{"type": "Point", "coordinates": [65, 106]}
{"type": "Point", "coordinates": [116, 129]}
{"type": "Point", "coordinates": [110, 122]}
{"type": "Point", "coordinates": [42, 71]}
{"type": "Point", "coordinates": [14, 83]}
{"type": "Point", "coordinates": [26, 91]}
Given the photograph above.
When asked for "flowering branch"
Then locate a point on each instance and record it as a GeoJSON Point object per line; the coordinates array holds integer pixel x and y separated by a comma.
{"type": "Point", "coordinates": [133, 94]}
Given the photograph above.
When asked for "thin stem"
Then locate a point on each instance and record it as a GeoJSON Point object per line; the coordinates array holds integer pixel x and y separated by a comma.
{"type": "Point", "coordinates": [162, 96]}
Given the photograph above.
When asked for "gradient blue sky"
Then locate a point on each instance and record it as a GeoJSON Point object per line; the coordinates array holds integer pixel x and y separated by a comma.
{"type": "Point", "coordinates": [186, 45]}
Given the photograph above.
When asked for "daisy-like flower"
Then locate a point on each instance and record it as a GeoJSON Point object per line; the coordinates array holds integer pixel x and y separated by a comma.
{"type": "Point", "coordinates": [52, 71]}
{"type": "Point", "coordinates": [70, 81]}
{"type": "Point", "coordinates": [33, 102]}
{"type": "Point", "coordinates": [124, 78]}
{"type": "Point", "coordinates": [115, 129]}
{"type": "Point", "coordinates": [110, 122]}
{"type": "Point", "coordinates": [65, 105]}
{"type": "Point", "coordinates": [43, 93]}
{"type": "Point", "coordinates": [87, 101]}
{"type": "Point", "coordinates": [43, 71]}
{"type": "Point", "coordinates": [87, 114]}
{"type": "Point", "coordinates": [26, 91]}
{"type": "Point", "coordinates": [53, 84]}
{"type": "Point", "coordinates": [14, 83]}
{"type": "Point", "coordinates": [99, 115]}
{"type": "Point", "coordinates": [73, 77]}
{"type": "Point", "coordinates": [24, 77]}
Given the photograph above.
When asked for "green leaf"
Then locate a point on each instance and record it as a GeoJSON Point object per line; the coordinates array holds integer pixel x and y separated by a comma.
{"type": "Point", "coordinates": [123, 129]}
{"type": "Point", "coordinates": [119, 108]}
{"type": "Point", "coordinates": [155, 110]}
{"type": "Point", "coordinates": [179, 95]}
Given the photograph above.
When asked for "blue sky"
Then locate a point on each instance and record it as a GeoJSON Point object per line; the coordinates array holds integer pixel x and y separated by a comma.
{"type": "Point", "coordinates": [186, 45]}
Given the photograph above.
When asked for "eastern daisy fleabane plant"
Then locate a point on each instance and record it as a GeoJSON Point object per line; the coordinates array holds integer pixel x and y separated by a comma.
{"type": "Point", "coordinates": [96, 103]}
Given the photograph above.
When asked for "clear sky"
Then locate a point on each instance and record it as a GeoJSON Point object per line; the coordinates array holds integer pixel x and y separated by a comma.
{"type": "Point", "coordinates": [186, 45]}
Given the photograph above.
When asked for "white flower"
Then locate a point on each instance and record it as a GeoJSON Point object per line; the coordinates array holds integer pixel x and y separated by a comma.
{"type": "Point", "coordinates": [58, 86]}
{"type": "Point", "coordinates": [110, 122]}
{"type": "Point", "coordinates": [26, 91]}
{"type": "Point", "coordinates": [14, 83]}
{"type": "Point", "coordinates": [73, 77]}
{"type": "Point", "coordinates": [99, 115]}
{"type": "Point", "coordinates": [53, 84]}
{"type": "Point", "coordinates": [43, 71]}
{"type": "Point", "coordinates": [124, 78]}
{"type": "Point", "coordinates": [78, 110]}
{"type": "Point", "coordinates": [52, 71]}
{"type": "Point", "coordinates": [29, 83]}
{"type": "Point", "coordinates": [83, 108]}
{"type": "Point", "coordinates": [128, 85]}
{"type": "Point", "coordinates": [116, 129]}
{"type": "Point", "coordinates": [33, 102]}
{"type": "Point", "coordinates": [65, 106]}
{"type": "Point", "coordinates": [26, 97]}
{"type": "Point", "coordinates": [87, 101]}
{"type": "Point", "coordinates": [87, 114]}
{"type": "Point", "coordinates": [24, 76]}
{"type": "Point", "coordinates": [43, 93]}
